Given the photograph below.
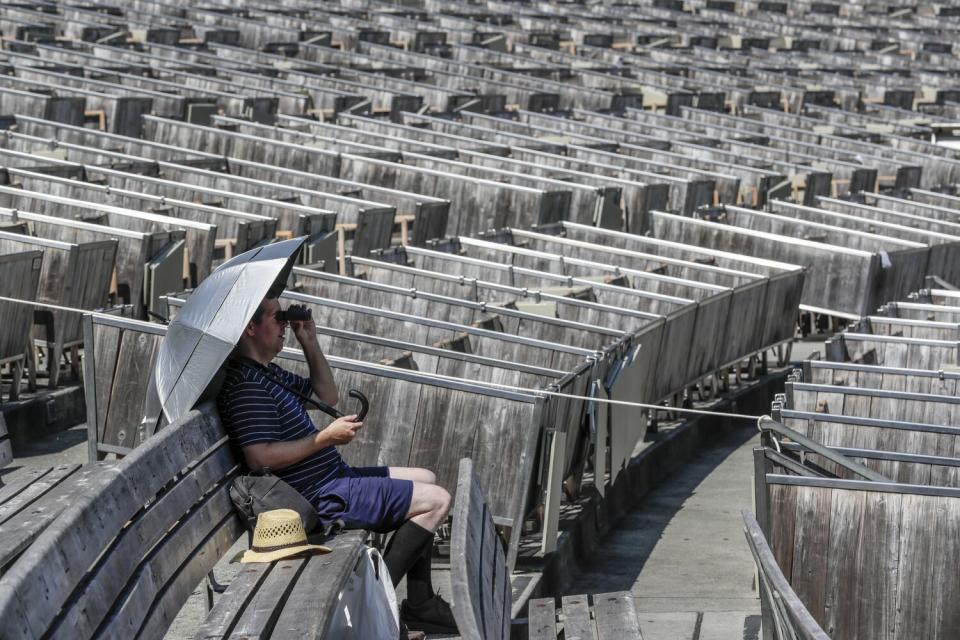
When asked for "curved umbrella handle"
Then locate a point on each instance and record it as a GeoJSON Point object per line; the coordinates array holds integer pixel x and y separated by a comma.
{"type": "Point", "coordinates": [364, 403]}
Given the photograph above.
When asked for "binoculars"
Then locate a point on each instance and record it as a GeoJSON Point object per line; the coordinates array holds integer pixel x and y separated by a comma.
{"type": "Point", "coordinates": [294, 313]}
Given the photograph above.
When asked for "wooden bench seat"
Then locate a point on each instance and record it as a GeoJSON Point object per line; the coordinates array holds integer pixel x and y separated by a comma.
{"type": "Point", "coordinates": [603, 616]}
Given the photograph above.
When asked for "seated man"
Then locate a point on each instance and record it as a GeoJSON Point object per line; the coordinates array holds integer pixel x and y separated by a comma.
{"type": "Point", "coordinates": [273, 429]}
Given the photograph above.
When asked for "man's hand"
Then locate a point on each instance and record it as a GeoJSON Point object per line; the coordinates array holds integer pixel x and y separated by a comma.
{"type": "Point", "coordinates": [305, 331]}
{"type": "Point", "coordinates": [340, 431]}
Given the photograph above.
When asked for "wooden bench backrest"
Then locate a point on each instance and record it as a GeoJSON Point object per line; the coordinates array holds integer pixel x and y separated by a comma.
{"type": "Point", "coordinates": [21, 278]}
{"type": "Point", "coordinates": [892, 442]}
{"type": "Point", "coordinates": [922, 329]}
{"type": "Point", "coordinates": [163, 517]}
{"type": "Point", "coordinates": [117, 371]}
{"type": "Point", "coordinates": [790, 618]}
{"type": "Point", "coordinates": [134, 249]}
{"type": "Point", "coordinates": [865, 558]}
{"type": "Point", "coordinates": [943, 383]}
{"type": "Point", "coordinates": [479, 577]}
{"type": "Point", "coordinates": [873, 403]}
{"type": "Point", "coordinates": [246, 147]}
{"type": "Point", "coordinates": [851, 292]}
{"type": "Point", "coordinates": [476, 204]}
{"type": "Point", "coordinates": [919, 311]}
{"type": "Point", "coordinates": [893, 351]}
{"type": "Point", "coordinates": [55, 201]}
{"type": "Point", "coordinates": [357, 291]}
{"type": "Point", "coordinates": [421, 328]}
{"type": "Point", "coordinates": [374, 231]}
{"type": "Point", "coordinates": [71, 275]}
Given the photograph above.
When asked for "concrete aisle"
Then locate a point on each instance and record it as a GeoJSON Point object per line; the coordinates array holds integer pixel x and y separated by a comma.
{"type": "Point", "coordinates": [682, 551]}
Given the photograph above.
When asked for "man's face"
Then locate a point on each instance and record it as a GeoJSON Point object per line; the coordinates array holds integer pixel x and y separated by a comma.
{"type": "Point", "coordinates": [268, 336]}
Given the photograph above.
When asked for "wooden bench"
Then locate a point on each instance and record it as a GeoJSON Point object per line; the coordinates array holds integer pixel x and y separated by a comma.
{"type": "Point", "coordinates": [864, 287]}
{"type": "Point", "coordinates": [141, 256]}
{"type": "Point", "coordinates": [125, 554]}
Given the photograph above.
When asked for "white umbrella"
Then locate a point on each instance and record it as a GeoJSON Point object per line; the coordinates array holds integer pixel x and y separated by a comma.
{"type": "Point", "coordinates": [208, 326]}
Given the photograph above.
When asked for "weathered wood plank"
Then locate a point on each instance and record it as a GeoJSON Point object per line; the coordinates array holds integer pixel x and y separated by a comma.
{"type": "Point", "coordinates": [22, 528]}
{"type": "Point", "coordinates": [577, 622]}
{"type": "Point", "coordinates": [616, 615]}
{"type": "Point", "coordinates": [128, 388]}
{"type": "Point", "coordinates": [113, 572]}
{"type": "Point", "coordinates": [542, 619]}
{"type": "Point", "coordinates": [877, 555]}
{"type": "Point", "coordinates": [260, 615]}
{"type": "Point", "coordinates": [811, 544]}
{"type": "Point", "coordinates": [222, 619]}
{"type": "Point", "coordinates": [36, 490]}
{"type": "Point", "coordinates": [839, 617]}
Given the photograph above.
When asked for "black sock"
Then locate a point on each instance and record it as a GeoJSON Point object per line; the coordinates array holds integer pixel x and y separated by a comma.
{"type": "Point", "coordinates": [419, 580]}
{"type": "Point", "coordinates": [405, 548]}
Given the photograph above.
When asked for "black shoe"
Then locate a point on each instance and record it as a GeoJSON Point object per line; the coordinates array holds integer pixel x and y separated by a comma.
{"type": "Point", "coordinates": [430, 616]}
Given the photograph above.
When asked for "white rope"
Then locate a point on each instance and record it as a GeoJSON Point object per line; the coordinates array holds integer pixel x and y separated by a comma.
{"type": "Point", "coordinates": [625, 403]}
{"type": "Point", "coordinates": [557, 394]}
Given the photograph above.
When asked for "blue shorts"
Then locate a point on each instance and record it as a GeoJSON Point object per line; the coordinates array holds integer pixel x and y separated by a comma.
{"type": "Point", "coordinates": [365, 498]}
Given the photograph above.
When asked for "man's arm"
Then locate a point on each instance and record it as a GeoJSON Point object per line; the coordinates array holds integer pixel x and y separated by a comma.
{"type": "Point", "coordinates": [321, 377]}
{"type": "Point", "coordinates": [279, 455]}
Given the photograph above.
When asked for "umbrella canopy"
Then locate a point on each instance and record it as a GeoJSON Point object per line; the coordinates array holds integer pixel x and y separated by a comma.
{"type": "Point", "coordinates": [211, 322]}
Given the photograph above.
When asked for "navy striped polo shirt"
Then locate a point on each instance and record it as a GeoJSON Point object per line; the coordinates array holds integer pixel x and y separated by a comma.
{"type": "Point", "coordinates": [254, 409]}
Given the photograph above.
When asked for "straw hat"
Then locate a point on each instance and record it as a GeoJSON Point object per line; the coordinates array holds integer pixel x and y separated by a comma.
{"type": "Point", "coordinates": [279, 534]}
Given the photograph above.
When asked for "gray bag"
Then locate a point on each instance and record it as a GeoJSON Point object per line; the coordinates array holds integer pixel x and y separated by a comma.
{"type": "Point", "coordinates": [258, 492]}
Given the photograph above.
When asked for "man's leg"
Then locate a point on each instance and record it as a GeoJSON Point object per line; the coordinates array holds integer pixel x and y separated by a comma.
{"type": "Point", "coordinates": [413, 540]}
{"type": "Point", "coordinates": [410, 554]}
{"type": "Point", "coordinates": [415, 474]}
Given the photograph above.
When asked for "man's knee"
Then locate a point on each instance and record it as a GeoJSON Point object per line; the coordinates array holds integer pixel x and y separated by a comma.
{"type": "Point", "coordinates": [444, 500]}
{"type": "Point", "coordinates": [438, 498]}
{"type": "Point", "coordinates": [429, 477]}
